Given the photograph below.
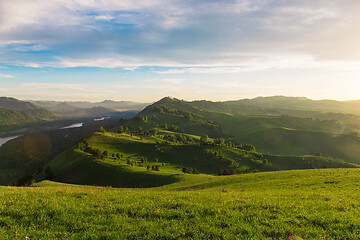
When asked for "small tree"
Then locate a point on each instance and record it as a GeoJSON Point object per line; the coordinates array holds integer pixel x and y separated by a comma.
{"type": "Point", "coordinates": [102, 130]}
{"type": "Point", "coordinates": [121, 129]}
{"type": "Point", "coordinates": [204, 139]}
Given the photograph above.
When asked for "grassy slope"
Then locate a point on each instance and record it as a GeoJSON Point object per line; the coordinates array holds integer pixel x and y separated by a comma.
{"type": "Point", "coordinates": [26, 107]}
{"type": "Point", "coordinates": [291, 136]}
{"type": "Point", "coordinates": [275, 134]}
{"type": "Point", "coordinates": [313, 204]}
{"type": "Point", "coordinates": [15, 114]}
{"type": "Point", "coordinates": [75, 166]}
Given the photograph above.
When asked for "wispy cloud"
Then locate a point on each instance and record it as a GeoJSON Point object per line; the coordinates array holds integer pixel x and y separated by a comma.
{"type": "Point", "coordinates": [177, 32]}
{"type": "Point", "coordinates": [6, 76]}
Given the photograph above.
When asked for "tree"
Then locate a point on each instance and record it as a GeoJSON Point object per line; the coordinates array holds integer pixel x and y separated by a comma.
{"type": "Point", "coordinates": [153, 132]}
{"type": "Point", "coordinates": [318, 154]}
{"type": "Point", "coordinates": [204, 139]}
{"type": "Point", "coordinates": [102, 130]}
{"type": "Point", "coordinates": [104, 155]}
{"type": "Point", "coordinates": [248, 147]}
{"type": "Point", "coordinates": [219, 141]}
{"type": "Point", "coordinates": [121, 129]}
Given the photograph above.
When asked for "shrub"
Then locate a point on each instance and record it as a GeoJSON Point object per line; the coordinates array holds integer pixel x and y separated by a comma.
{"type": "Point", "coordinates": [190, 170]}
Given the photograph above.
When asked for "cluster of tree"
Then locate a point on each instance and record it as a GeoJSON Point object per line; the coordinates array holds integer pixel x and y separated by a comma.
{"type": "Point", "coordinates": [178, 138]}
{"type": "Point", "coordinates": [139, 130]}
{"type": "Point", "coordinates": [223, 172]}
{"type": "Point", "coordinates": [85, 146]}
{"type": "Point", "coordinates": [141, 118]}
{"type": "Point", "coordinates": [151, 132]}
{"type": "Point", "coordinates": [117, 155]}
{"type": "Point", "coordinates": [153, 168]}
{"type": "Point", "coordinates": [230, 142]}
{"type": "Point", "coordinates": [123, 130]}
{"type": "Point", "coordinates": [190, 170]}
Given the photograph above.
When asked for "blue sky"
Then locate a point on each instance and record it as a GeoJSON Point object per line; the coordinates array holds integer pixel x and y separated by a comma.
{"type": "Point", "coordinates": [189, 49]}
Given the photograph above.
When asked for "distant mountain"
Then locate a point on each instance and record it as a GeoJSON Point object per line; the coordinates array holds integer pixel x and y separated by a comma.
{"type": "Point", "coordinates": [81, 108]}
{"type": "Point", "coordinates": [22, 106]}
{"type": "Point", "coordinates": [115, 105]}
{"type": "Point", "coordinates": [90, 112]}
{"type": "Point", "coordinates": [297, 103]}
{"type": "Point", "coordinates": [63, 108]}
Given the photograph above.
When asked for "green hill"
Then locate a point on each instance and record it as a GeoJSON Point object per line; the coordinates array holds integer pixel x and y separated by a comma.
{"type": "Point", "coordinates": [22, 106]}
{"type": "Point", "coordinates": [312, 204]}
{"type": "Point", "coordinates": [140, 160]}
{"type": "Point", "coordinates": [15, 114]}
{"type": "Point", "coordinates": [13, 117]}
{"type": "Point", "coordinates": [283, 134]}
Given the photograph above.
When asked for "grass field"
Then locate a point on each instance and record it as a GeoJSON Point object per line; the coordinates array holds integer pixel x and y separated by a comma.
{"type": "Point", "coordinates": [312, 204]}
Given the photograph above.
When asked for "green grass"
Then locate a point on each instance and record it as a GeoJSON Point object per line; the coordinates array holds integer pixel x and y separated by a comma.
{"type": "Point", "coordinates": [313, 204]}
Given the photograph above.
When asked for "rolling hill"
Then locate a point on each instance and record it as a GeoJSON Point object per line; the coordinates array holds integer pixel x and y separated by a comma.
{"type": "Point", "coordinates": [135, 159]}
{"type": "Point", "coordinates": [22, 106]}
{"type": "Point", "coordinates": [69, 106]}
{"type": "Point", "coordinates": [279, 134]}
{"type": "Point", "coordinates": [15, 114]}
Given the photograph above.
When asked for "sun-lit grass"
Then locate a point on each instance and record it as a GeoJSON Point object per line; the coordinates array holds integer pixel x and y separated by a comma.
{"type": "Point", "coordinates": [313, 204]}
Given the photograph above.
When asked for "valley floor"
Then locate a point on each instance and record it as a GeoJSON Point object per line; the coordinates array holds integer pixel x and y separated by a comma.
{"type": "Point", "coordinates": [312, 204]}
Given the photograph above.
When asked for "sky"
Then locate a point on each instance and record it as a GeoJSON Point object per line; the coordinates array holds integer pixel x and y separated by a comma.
{"type": "Point", "coordinates": [189, 49]}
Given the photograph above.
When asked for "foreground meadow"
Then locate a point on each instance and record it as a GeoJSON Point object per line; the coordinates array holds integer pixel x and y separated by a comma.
{"type": "Point", "coordinates": [312, 204]}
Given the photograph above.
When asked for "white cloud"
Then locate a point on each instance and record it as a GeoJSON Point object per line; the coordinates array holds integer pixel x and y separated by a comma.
{"type": "Point", "coordinates": [104, 17]}
{"type": "Point", "coordinates": [176, 33]}
{"type": "Point", "coordinates": [6, 76]}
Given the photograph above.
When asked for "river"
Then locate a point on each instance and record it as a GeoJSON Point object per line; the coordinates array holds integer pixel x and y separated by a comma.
{"type": "Point", "coordinates": [5, 139]}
